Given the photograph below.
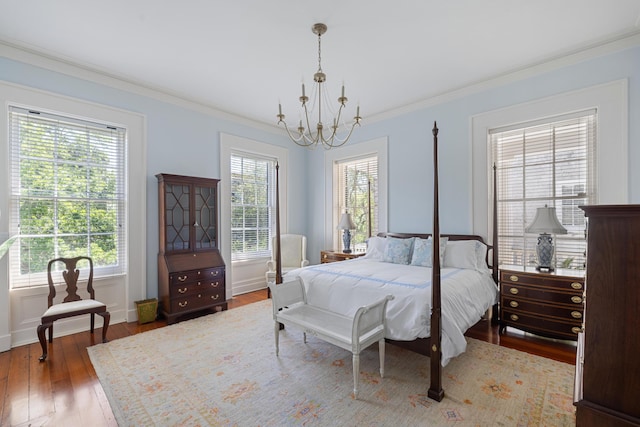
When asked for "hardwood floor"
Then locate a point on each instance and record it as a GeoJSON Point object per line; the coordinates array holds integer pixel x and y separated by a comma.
{"type": "Point", "coordinates": [66, 391]}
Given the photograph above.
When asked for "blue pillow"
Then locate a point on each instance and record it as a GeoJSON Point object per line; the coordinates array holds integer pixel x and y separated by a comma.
{"type": "Point", "coordinates": [422, 254]}
{"type": "Point", "coordinates": [398, 251]}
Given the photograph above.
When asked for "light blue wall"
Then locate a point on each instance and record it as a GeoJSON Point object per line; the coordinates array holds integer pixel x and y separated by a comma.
{"type": "Point", "coordinates": [184, 141]}
{"type": "Point", "coordinates": [179, 140]}
{"type": "Point", "coordinates": [410, 145]}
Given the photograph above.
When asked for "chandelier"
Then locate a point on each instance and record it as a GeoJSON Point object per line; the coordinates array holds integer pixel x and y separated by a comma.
{"type": "Point", "coordinates": [334, 135]}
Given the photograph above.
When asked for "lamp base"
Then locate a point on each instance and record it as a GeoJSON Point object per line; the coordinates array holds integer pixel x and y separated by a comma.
{"type": "Point", "coordinates": [545, 250]}
{"type": "Point", "coordinates": [346, 241]}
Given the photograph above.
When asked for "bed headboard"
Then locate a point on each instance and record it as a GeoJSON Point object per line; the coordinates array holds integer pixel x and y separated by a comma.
{"type": "Point", "coordinates": [489, 257]}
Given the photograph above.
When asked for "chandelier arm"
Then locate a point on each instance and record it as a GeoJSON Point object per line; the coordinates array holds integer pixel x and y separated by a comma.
{"type": "Point", "coordinates": [293, 138]}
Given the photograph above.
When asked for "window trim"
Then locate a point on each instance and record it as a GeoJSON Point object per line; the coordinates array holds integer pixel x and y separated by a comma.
{"type": "Point", "coordinates": [376, 147]}
{"type": "Point", "coordinates": [611, 101]}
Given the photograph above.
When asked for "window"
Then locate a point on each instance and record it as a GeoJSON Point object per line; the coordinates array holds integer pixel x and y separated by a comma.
{"type": "Point", "coordinates": [358, 195]}
{"type": "Point", "coordinates": [67, 193]}
{"type": "Point", "coordinates": [252, 205]}
{"type": "Point", "coordinates": [545, 163]}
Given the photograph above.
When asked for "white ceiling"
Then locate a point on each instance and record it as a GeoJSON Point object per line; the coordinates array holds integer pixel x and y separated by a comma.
{"type": "Point", "coordinates": [243, 56]}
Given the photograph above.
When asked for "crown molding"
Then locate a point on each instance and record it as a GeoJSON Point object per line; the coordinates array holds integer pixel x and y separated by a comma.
{"type": "Point", "coordinates": [73, 69]}
{"type": "Point", "coordinates": [620, 43]}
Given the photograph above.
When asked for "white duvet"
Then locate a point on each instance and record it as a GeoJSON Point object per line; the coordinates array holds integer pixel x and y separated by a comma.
{"type": "Point", "coordinates": [344, 286]}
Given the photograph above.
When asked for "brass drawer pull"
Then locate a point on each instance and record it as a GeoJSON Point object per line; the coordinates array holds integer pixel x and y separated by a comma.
{"type": "Point", "coordinates": [183, 304]}
{"type": "Point", "coordinates": [576, 285]}
{"type": "Point", "coordinates": [215, 284]}
{"type": "Point", "coordinates": [182, 278]}
{"type": "Point", "coordinates": [513, 304]}
{"type": "Point", "coordinates": [514, 291]}
{"type": "Point", "coordinates": [576, 330]}
{"type": "Point", "coordinates": [513, 278]}
{"type": "Point", "coordinates": [214, 297]}
{"type": "Point", "coordinates": [214, 273]}
{"type": "Point", "coordinates": [325, 256]}
{"type": "Point", "coordinates": [576, 314]}
{"type": "Point", "coordinates": [576, 299]}
{"type": "Point", "coordinates": [514, 317]}
{"type": "Point", "coordinates": [182, 290]}
{"type": "Point", "coordinates": [199, 295]}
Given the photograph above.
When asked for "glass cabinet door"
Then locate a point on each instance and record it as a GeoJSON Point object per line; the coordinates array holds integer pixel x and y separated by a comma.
{"type": "Point", "coordinates": [205, 211]}
{"type": "Point", "coordinates": [177, 213]}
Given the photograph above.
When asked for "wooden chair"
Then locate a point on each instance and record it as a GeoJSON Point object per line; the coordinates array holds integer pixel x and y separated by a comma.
{"type": "Point", "coordinates": [72, 305]}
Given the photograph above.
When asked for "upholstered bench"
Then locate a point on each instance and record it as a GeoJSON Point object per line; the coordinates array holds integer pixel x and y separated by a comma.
{"type": "Point", "coordinates": [350, 333]}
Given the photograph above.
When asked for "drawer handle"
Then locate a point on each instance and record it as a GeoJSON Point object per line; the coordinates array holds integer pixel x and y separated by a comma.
{"type": "Point", "coordinates": [576, 330]}
{"type": "Point", "coordinates": [214, 297]}
{"type": "Point", "coordinates": [576, 285]}
{"type": "Point", "coordinates": [514, 291]}
{"type": "Point", "coordinates": [514, 317]}
{"type": "Point", "coordinates": [182, 278]}
{"type": "Point", "coordinates": [513, 304]}
{"type": "Point", "coordinates": [215, 284]}
{"type": "Point", "coordinates": [183, 304]}
{"type": "Point", "coordinates": [513, 278]}
{"type": "Point", "coordinates": [576, 314]}
{"type": "Point", "coordinates": [199, 283]}
{"type": "Point", "coordinates": [325, 256]}
{"type": "Point", "coordinates": [182, 290]}
{"type": "Point", "coordinates": [214, 273]}
{"type": "Point", "coordinates": [576, 299]}
{"type": "Point", "coordinates": [199, 295]}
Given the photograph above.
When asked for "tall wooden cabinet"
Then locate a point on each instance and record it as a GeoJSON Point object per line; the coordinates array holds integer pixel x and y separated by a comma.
{"type": "Point", "coordinates": [191, 272]}
{"type": "Point", "coordinates": [608, 365]}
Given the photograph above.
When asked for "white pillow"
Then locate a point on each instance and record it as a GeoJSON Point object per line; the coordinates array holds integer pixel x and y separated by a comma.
{"type": "Point", "coordinates": [375, 247]}
{"type": "Point", "coordinates": [468, 254]}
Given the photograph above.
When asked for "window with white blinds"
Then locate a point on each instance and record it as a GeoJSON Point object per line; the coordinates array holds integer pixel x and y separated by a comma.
{"type": "Point", "coordinates": [252, 205]}
{"type": "Point", "coordinates": [67, 194]}
{"type": "Point", "coordinates": [550, 162]}
{"type": "Point", "coordinates": [358, 195]}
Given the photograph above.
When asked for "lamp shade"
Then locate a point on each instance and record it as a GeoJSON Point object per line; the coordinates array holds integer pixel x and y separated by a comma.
{"type": "Point", "coordinates": [546, 221]}
{"type": "Point", "coordinates": [346, 223]}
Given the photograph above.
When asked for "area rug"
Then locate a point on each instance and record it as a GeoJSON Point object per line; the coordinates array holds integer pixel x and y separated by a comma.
{"type": "Point", "coordinates": [221, 370]}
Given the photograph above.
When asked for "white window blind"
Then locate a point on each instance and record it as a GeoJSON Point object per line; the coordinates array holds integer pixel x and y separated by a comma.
{"type": "Point", "coordinates": [550, 162]}
{"type": "Point", "coordinates": [67, 194]}
{"type": "Point", "coordinates": [252, 205]}
{"type": "Point", "coordinates": [358, 195]}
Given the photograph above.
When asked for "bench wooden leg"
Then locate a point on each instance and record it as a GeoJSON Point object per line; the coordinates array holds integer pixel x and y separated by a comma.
{"type": "Point", "coordinates": [381, 352]}
{"type": "Point", "coordinates": [356, 374]}
{"type": "Point", "coordinates": [277, 335]}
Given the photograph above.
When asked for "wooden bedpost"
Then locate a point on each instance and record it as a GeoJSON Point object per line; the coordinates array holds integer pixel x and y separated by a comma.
{"type": "Point", "coordinates": [435, 389]}
{"type": "Point", "coordinates": [278, 252]}
{"type": "Point", "coordinates": [494, 259]}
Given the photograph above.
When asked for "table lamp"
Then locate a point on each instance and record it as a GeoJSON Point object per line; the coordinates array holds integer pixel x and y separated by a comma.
{"type": "Point", "coordinates": [546, 223]}
{"type": "Point", "coordinates": [346, 224]}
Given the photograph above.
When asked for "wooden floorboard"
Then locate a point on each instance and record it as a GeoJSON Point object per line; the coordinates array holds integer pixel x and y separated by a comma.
{"type": "Point", "coordinates": [65, 389]}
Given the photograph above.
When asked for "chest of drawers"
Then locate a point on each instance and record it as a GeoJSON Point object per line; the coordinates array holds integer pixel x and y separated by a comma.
{"type": "Point", "coordinates": [548, 304]}
{"type": "Point", "coordinates": [335, 256]}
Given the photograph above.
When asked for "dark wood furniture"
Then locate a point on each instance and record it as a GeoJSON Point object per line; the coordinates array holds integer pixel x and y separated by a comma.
{"type": "Point", "coordinates": [547, 304]}
{"type": "Point", "coordinates": [191, 272]}
{"type": "Point", "coordinates": [608, 373]}
{"type": "Point", "coordinates": [336, 256]}
{"type": "Point", "coordinates": [72, 304]}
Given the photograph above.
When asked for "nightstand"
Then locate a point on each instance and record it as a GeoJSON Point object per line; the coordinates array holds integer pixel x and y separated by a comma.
{"type": "Point", "coordinates": [335, 256]}
{"type": "Point", "coordinates": [544, 303]}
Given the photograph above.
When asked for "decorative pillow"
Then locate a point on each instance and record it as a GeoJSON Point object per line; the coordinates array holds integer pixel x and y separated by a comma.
{"type": "Point", "coordinates": [422, 254]}
{"type": "Point", "coordinates": [376, 247]}
{"type": "Point", "coordinates": [398, 251]}
{"type": "Point", "coordinates": [465, 254]}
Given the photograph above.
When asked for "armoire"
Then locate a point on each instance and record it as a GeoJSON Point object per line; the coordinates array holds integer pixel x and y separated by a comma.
{"type": "Point", "coordinates": [608, 356]}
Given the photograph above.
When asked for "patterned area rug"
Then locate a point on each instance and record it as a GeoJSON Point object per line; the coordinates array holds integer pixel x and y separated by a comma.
{"type": "Point", "coordinates": [221, 370]}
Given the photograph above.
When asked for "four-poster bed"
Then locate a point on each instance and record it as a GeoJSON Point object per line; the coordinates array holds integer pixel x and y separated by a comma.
{"type": "Point", "coordinates": [425, 311]}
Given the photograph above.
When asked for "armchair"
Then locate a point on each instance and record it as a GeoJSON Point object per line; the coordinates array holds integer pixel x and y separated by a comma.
{"type": "Point", "coordinates": [293, 254]}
